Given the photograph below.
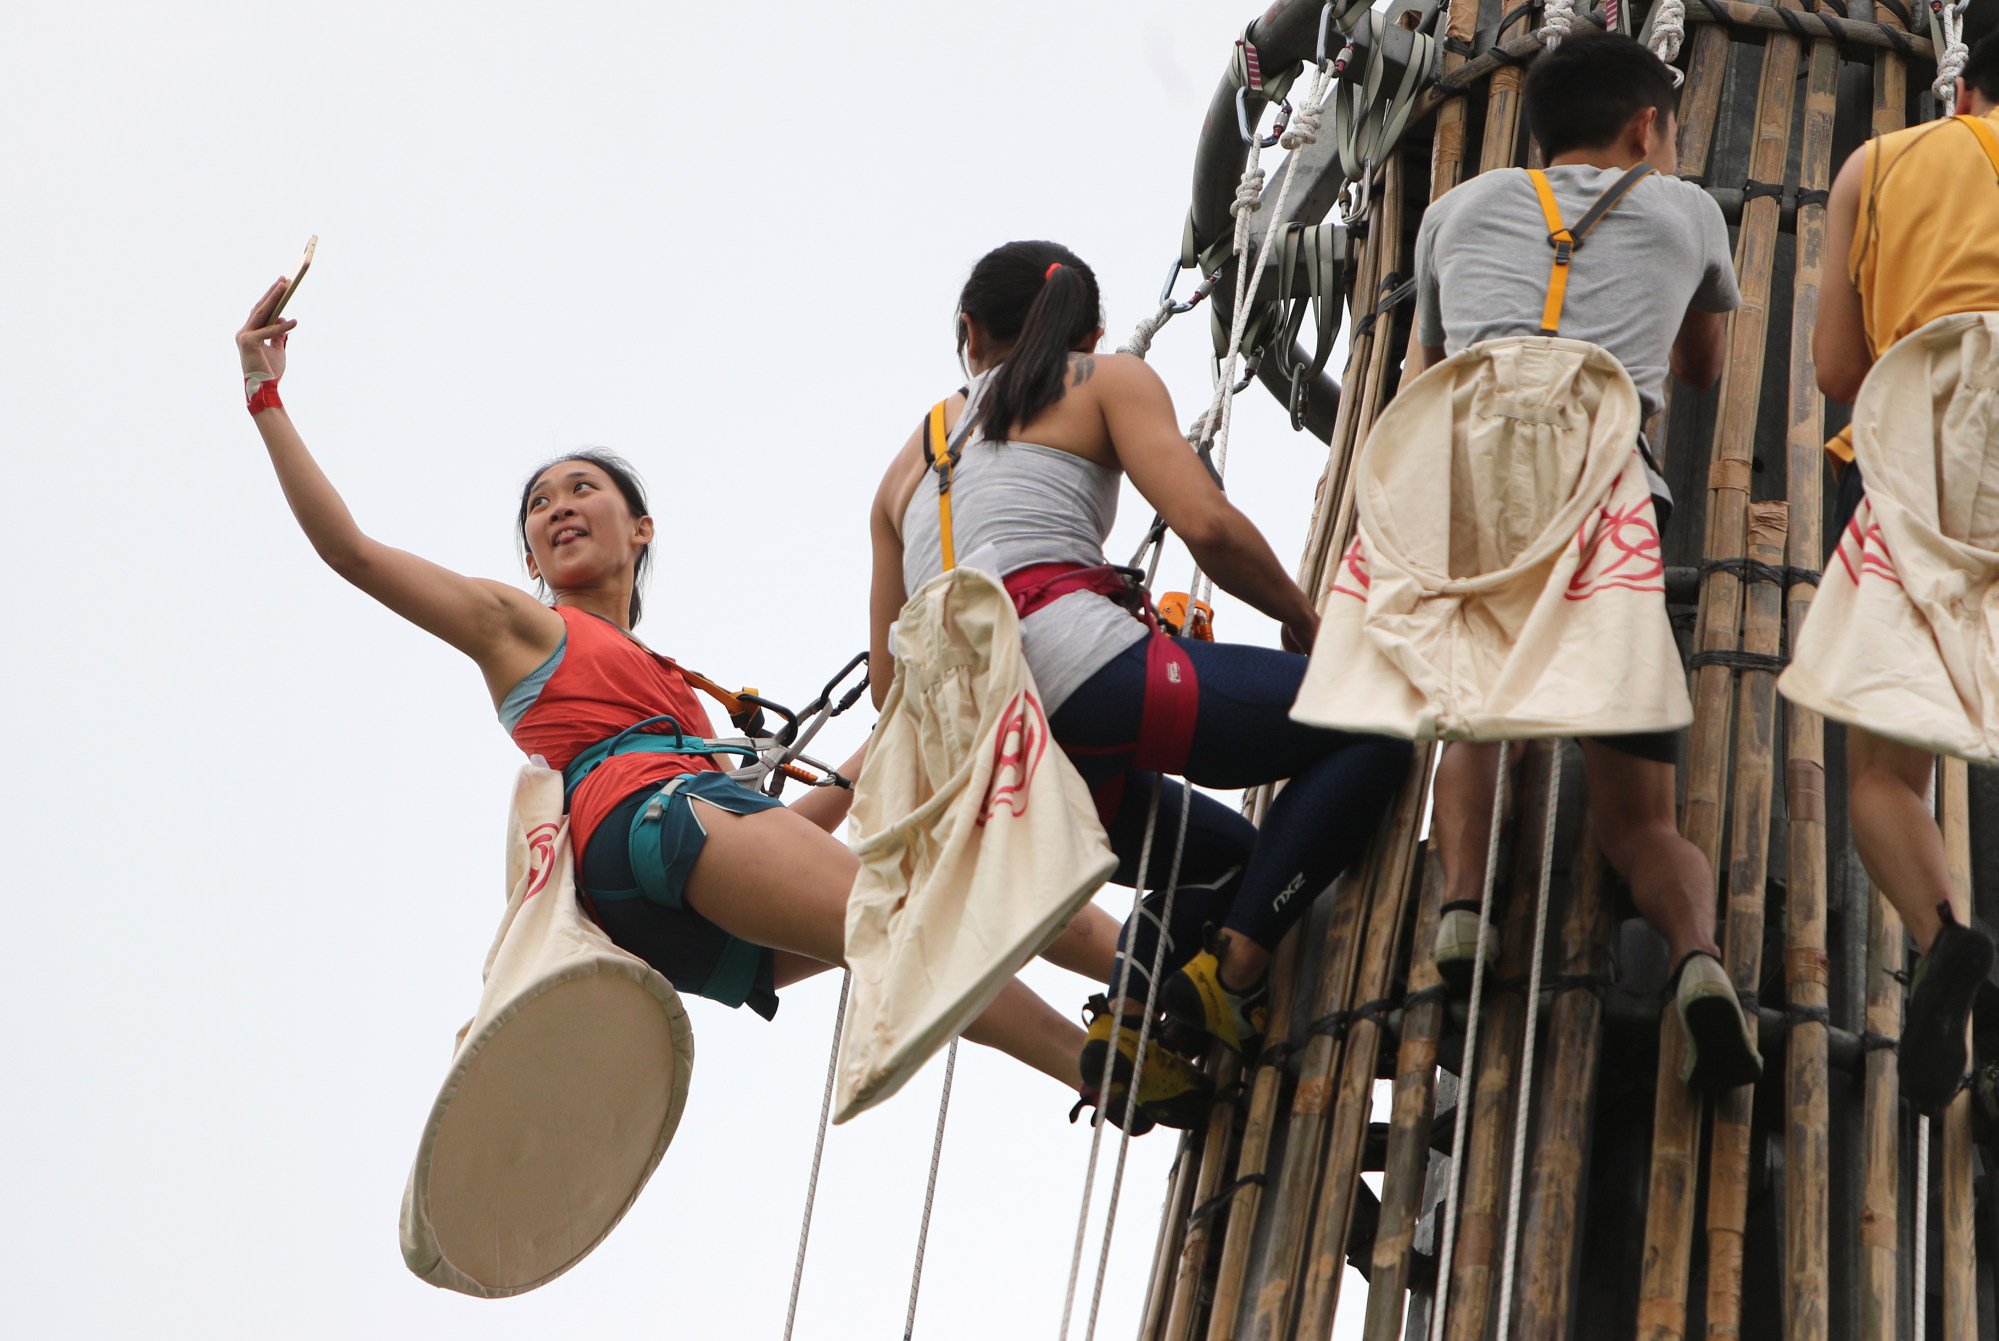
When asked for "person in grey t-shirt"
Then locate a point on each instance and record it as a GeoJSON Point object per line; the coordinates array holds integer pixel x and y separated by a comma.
{"type": "Point", "coordinates": [1652, 285]}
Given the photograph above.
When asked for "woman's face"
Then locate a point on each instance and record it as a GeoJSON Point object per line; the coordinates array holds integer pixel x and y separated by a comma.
{"type": "Point", "coordinates": [579, 528]}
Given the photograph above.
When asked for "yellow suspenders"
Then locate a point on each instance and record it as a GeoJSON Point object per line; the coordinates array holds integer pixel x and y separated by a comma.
{"type": "Point", "coordinates": [1565, 241]}
{"type": "Point", "coordinates": [940, 461]}
{"type": "Point", "coordinates": [1987, 141]}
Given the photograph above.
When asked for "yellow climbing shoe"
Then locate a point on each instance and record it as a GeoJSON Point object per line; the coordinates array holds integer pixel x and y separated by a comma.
{"type": "Point", "coordinates": [1196, 997]}
{"type": "Point", "coordinates": [1171, 1092]}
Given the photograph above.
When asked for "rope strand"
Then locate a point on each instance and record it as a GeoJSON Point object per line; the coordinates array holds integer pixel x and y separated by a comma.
{"type": "Point", "coordinates": [818, 1150]}
{"type": "Point", "coordinates": [930, 1190]}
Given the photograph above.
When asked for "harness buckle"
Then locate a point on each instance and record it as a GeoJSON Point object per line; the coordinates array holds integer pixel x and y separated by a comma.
{"type": "Point", "coordinates": [1564, 245]}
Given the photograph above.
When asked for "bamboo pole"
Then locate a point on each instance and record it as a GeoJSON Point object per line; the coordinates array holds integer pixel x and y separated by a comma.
{"type": "Point", "coordinates": [1325, 1260]}
{"type": "Point", "coordinates": [1551, 1240]}
{"type": "Point", "coordinates": [1182, 1186]}
{"type": "Point", "coordinates": [1807, 1281]}
{"type": "Point", "coordinates": [1748, 872]}
{"type": "Point", "coordinates": [1669, 1229]}
{"type": "Point", "coordinates": [1274, 1287]}
{"type": "Point", "coordinates": [1485, 1098]}
{"type": "Point", "coordinates": [1208, 1156]}
{"type": "Point", "coordinates": [1881, 1101]}
{"type": "Point", "coordinates": [1959, 1255]}
{"type": "Point", "coordinates": [1410, 1121]}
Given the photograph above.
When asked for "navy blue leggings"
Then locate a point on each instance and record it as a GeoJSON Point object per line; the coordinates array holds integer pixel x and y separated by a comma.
{"type": "Point", "coordinates": [1254, 882]}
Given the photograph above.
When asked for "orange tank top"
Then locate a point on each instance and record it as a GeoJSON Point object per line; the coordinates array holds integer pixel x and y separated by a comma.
{"type": "Point", "coordinates": [1926, 244]}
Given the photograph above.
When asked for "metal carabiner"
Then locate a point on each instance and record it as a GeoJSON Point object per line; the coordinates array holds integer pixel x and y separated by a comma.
{"type": "Point", "coordinates": [1349, 218]}
{"type": "Point", "coordinates": [1250, 364]}
{"type": "Point", "coordinates": [1301, 395]}
{"type": "Point", "coordinates": [1249, 135]}
{"type": "Point", "coordinates": [1326, 27]}
{"type": "Point", "coordinates": [1193, 301]}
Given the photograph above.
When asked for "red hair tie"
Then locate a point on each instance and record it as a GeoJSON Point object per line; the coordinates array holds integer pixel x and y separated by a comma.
{"type": "Point", "coordinates": [1049, 273]}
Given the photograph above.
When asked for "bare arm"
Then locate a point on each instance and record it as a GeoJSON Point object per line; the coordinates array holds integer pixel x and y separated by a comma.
{"type": "Point", "coordinates": [503, 629]}
{"type": "Point", "coordinates": [1839, 339]}
{"type": "Point", "coordinates": [1138, 415]}
{"type": "Point", "coordinates": [886, 593]}
{"type": "Point", "coordinates": [827, 807]}
{"type": "Point", "coordinates": [1423, 359]}
{"type": "Point", "coordinates": [1700, 349]}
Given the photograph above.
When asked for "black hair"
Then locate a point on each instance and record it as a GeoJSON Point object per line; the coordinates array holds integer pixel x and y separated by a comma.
{"type": "Point", "coordinates": [627, 480]}
{"type": "Point", "coordinates": [1582, 94]}
{"type": "Point", "coordinates": [1040, 315]}
{"type": "Point", "coordinates": [1981, 67]}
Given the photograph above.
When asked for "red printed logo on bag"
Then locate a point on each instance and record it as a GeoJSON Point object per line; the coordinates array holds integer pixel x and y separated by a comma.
{"type": "Point", "coordinates": [1017, 751]}
{"type": "Point", "coordinates": [541, 858]}
{"type": "Point", "coordinates": [1620, 548]}
{"type": "Point", "coordinates": [1354, 564]}
{"type": "Point", "coordinates": [1863, 549]}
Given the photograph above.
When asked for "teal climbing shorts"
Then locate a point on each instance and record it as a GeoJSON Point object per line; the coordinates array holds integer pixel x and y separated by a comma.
{"type": "Point", "coordinates": [633, 875]}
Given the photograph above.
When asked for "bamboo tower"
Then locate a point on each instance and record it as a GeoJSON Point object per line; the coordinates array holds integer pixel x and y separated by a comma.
{"type": "Point", "coordinates": [1788, 1210]}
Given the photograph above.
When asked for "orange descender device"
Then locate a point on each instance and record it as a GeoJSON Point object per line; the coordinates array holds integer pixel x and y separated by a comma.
{"type": "Point", "coordinates": [1185, 617]}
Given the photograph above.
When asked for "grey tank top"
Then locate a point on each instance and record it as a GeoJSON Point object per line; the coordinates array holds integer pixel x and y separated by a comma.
{"type": "Point", "coordinates": [1018, 503]}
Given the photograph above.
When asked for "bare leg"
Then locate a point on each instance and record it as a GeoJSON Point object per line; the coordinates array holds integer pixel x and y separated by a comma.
{"type": "Point", "coordinates": [1461, 815]}
{"type": "Point", "coordinates": [1888, 803]}
{"type": "Point", "coordinates": [776, 879]}
{"type": "Point", "coordinates": [1631, 812]}
{"type": "Point", "coordinates": [1088, 945]}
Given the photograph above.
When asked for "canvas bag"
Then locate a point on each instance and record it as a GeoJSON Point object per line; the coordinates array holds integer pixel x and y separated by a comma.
{"type": "Point", "coordinates": [564, 1089]}
{"type": "Point", "coordinates": [977, 838]}
{"type": "Point", "coordinates": [1901, 636]}
{"type": "Point", "coordinates": [1506, 578]}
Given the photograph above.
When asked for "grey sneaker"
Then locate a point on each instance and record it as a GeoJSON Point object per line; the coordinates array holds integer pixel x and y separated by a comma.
{"type": "Point", "coordinates": [1721, 1042]}
{"type": "Point", "coordinates": [1457, 945]}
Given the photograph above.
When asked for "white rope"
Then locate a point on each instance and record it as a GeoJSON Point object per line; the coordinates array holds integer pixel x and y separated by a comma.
{"type": "Point", "coordinates": [1947, 27]}
{"type": "Point", "coordinates": [818, 1149]}
{"type": "Point", "coordinates": [1557, 17]}
{"type": "Point", "coordinates": [1110, 1055]}
{"type": "Point", "coordinates": [1140, 341]}
{"type": "Point", "coordinates": [1138, 1063]}
{"type": "Point", "coordinates": [1520, 1115]}
{"type": "Point", "coordinates": [1669, 31]}
{"type": "Point", "coordinates": [930, 1190]}
{"type": "Point", "coordinates": [1467, 1060]}
{"type": "Point", "coordinates": [1922, 1264]}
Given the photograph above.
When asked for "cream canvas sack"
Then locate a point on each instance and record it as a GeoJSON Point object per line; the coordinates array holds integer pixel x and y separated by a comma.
{"type": "Point", "coordinates": [1506, 580]}
{"type": "Point", "coordinates": [1900, 639]}
{"type": "Point", "coordinates": [977, 838]}
{"type": "Point", "coordinates": [564, 1090]}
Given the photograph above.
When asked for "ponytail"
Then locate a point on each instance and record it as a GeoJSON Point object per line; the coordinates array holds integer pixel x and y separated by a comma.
{"type": "Point", "coordinates": [1042, 301]}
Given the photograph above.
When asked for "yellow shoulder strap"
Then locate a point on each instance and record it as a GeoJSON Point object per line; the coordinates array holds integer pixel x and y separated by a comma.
{"type": "Point", "coordinates": [1987, 141]}
{"type": "Point", "coordinates": [1565, 248]}
{"type": "Point", "coordinates": [940, 461]}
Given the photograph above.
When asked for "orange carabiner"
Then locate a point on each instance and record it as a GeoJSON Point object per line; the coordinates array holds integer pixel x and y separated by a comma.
{"type": "Point", "coordinates": [1181, 622]}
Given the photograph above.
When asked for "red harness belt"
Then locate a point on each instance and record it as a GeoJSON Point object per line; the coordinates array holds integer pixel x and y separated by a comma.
{"type": "Point", "coordinates": [1172, 689]}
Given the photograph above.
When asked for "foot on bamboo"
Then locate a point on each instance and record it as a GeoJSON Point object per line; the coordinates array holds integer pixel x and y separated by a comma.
{"type": "Point", "coordinates": [1171, 1090]}
{"type": "Point", "coordinates": [1456, 948]}
{"type": "Point", "coordinates": [1933, 1058]}
{"type": "Point", "coordinates": [1721, 1041]}
{"type": "Point", "coordinates": [1197, 997]}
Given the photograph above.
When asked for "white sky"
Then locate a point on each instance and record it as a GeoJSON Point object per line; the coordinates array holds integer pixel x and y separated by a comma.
{"type": "Point", "coordinates": [262, 818]}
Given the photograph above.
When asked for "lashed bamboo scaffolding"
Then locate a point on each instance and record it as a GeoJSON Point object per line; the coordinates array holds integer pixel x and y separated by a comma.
{"type": "Point", "coordinates": [1272, 1278]}
{"type": "Point", "coordinates": [1807, 973]}
{"type": "Point", "coordinates": [1748, 871]}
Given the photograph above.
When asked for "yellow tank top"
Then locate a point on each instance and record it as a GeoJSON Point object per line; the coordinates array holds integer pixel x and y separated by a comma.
{"type": "Point", "coordinates": [1926, 243]}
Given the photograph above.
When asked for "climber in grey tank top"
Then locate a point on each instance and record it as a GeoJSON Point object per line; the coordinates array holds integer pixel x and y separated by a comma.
{"type": "Point", "coordinates": [1017, 504]}
{"type": "Point", "coordinates": [1044, 436]}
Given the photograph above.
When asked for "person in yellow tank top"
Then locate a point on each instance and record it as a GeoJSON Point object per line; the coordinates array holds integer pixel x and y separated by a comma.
{"type": "Point", "coordinates": [1915, 215]}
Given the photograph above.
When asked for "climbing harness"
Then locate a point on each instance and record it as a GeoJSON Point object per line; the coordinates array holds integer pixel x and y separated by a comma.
{"type": "Point", "coordinates": [1566, 241]}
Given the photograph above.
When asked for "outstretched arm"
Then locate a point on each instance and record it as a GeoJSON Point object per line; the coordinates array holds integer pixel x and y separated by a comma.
{"type": "Point", "coordinates": [1138, 414]}
{"type": "Point", "coordinates": [885, 589]}
{"type": "Point", "coordinates": [501, 627]}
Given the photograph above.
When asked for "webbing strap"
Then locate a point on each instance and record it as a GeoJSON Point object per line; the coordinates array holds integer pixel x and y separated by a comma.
{"type": "Point", "coordinates": [1565, 240]}
{"type": "Point", "coordinates": [1987, 141]}
{"type": "Point", "coordinates": [940, 461]}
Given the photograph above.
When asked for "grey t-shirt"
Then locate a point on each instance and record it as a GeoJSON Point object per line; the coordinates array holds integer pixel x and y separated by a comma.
{"type": "Point", "coordinates": [1483, 259]}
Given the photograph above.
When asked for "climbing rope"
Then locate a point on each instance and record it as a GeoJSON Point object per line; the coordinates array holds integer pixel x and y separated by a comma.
{"type": "Point", "coordinates": [1556, 19]}
{"type": "Point", "coordinates": [930, 1190]}
{"type": "Point", "coordinates": [818, 1151]}
{"type": "Point", "coordinates": [1467, 1059]}
{"type": "Point", "coordinates": [1922, 1226]}
{"type": "Point", "coordinates": [1668, 26]}
{"type": "Point", "coordinates": [1513, 1193]}
{"type": "Point", "coordinates": [1947, 31]}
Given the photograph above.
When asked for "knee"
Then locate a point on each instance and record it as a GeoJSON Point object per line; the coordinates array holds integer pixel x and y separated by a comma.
{"type": "Point", "coordinates": [1630, 842]}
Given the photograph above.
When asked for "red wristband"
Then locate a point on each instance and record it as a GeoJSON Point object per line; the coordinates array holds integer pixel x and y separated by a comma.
{"type": "Point", "coordinates": [265, 397]}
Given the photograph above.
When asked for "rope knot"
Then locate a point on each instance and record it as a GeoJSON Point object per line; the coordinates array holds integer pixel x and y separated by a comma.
{"type": "Point", "coordinates": [1304, 127]}
{"type": "Point", "coordinates": [1248, 193]}
{"type": "Point", "coordinates": [1556, 20]}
